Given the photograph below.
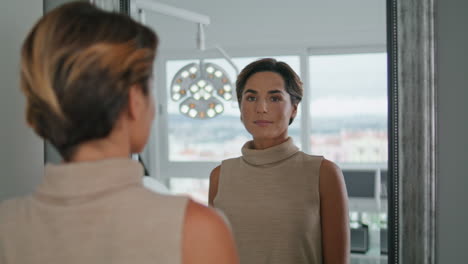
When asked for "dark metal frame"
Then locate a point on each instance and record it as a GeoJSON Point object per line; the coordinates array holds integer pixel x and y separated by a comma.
{"type": "Point", "coordinates": [412, 131]}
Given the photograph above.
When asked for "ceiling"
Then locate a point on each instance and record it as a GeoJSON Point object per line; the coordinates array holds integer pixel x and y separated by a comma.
{"type": "Point", "coordinates": [250, 24]}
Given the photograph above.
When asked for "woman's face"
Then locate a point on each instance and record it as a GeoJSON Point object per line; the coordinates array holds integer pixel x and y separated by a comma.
{"type": "Point", "coordinates": [266, 107]}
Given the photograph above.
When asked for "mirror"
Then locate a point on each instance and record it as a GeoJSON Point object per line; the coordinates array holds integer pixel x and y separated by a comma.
{"type": "Point", "coordinates": [339, 50]}
{"type": "Point", "coordinates": [308, 35]}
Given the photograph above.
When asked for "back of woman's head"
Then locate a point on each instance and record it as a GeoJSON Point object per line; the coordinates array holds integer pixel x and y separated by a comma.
{"type": "Point", "coordinates": [77, 66]}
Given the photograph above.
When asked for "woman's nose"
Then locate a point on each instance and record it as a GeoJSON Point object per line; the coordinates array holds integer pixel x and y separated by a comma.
{"type": "Point", "coordinates": [262, 106]}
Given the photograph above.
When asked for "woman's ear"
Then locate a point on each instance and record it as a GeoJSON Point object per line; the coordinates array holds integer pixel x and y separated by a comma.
{"type": "Point", "coordinates": [294, 112]}
{"type": "Point", "coordinates": [136, 102]}
{"type": "Point", "coordinates": [240, 110]}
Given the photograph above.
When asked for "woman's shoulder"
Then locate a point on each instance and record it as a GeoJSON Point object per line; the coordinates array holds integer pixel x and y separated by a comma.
{"type": "Point", "coordinates": [215, 173]}
{"type": "Point", "coordinates": [310, 157]}
{"type": "Point", "coordinates": [309, 162]}
{"type": "Point", "coordinates": [14, 203]}
{"type": "Point", "coordinates": [144, 197]}
{"type": "Point", "coordinates": [230, 160]}
{"type": "Point", "coordinates": [206, 231]}
{"type": "Point", "coordinates": [328, 166]}
{"type": "Point", "coordinates": [331, 178]}
{"type": "Point", "coordinates": [201, 217]}
{"type": "Point", "coordinates": [227, 163]}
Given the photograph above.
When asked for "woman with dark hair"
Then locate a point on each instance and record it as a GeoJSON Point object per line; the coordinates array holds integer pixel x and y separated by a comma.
{"type": "Point", "coordinates": [284, 206]}
{"type": "Point", "coordinates": [86, 74]}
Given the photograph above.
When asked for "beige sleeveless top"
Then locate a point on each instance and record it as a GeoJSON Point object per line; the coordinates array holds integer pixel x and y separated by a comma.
{"type": "Point", "coordinates": [271, 198]}
{"type": "Point", "coordinates": [92, 212]}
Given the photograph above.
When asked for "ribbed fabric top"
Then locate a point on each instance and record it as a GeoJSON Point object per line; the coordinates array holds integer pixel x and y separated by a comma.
{"type": "Point", "coordinates": [271, 197]}
{"type": "Point", "coordinates": [270, 155]}
{"type": "Point", "coordinates": [92, 212]}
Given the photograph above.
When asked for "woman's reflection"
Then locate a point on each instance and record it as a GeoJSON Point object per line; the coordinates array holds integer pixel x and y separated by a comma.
{"type": "Point", "coordinates": [284, 206]}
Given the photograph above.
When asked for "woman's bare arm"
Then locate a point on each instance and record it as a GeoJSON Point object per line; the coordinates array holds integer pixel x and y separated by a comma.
{"type": "Point", "coordinates": [206, 238]}
{"type": "Point", "coordinates": [214, 179]}
{"type": "Point", "coordinates": [334, 214]}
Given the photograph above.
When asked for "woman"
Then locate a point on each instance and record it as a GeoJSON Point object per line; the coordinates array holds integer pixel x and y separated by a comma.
{"type": "Point", "coordinates": [86, 75]}
{"type": "Point", "coordinates": [284, 206]}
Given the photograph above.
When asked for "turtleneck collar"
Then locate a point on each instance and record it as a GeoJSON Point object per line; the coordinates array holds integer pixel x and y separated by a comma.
{"type": "Point", "coordinates": [80, 179]}
{"type": "Point", "coordinates": [270, 155]}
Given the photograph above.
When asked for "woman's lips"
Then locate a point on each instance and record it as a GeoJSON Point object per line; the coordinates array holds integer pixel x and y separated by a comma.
{"type": "Point", "coordinates": [262, 123]}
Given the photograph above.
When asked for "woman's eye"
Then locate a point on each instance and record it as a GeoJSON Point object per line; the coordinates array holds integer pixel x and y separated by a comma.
{"type": "Point", "coordinates": [250, 98]}
{"type": "Point", "coordinates": [275, 99]}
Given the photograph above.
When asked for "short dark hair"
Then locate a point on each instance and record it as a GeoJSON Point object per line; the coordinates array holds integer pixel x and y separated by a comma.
{"type": "Point", "coordinates": [292, 82]}
{"type": "Point", "coordinates": [77, 66]}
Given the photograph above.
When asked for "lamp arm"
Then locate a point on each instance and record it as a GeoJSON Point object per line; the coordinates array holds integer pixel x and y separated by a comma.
{"type": "Point", "coordinates": [227, 57]}
{"type": "Point", "coordinates": [168, 10]}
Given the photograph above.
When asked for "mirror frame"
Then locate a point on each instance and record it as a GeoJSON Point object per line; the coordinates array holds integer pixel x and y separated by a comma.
{"type": "Point", "coordinates": [412, 131]}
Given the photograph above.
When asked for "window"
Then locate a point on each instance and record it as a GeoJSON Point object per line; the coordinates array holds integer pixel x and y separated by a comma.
{"type": "Point", "coordinates": [348, 125]}
{"type": "Point", "coordinates": [348, 107]}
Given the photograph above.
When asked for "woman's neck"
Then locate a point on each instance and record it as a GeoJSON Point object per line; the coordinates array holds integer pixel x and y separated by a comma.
{"type": "Point", "coordinates": [100, 149]}
{"type": "Point", "coordinates": [264, 143]}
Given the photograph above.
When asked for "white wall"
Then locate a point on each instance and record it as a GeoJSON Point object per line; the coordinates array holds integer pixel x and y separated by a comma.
{"type": "Point", "coordinates": [452, 202]}
{"type": "Point", "coordinates": [51, 4]}
{"type": "Point", "coordinates": [275, 23]}
{"type": "Point", "coordinates": [21, 152]}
